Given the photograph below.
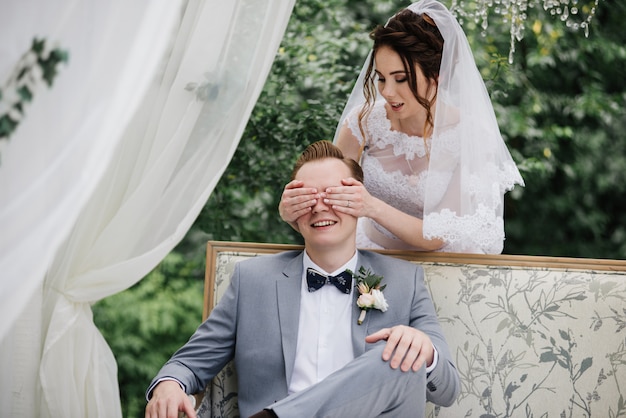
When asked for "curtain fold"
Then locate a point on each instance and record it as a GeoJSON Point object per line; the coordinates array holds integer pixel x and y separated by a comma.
{"type": "Point", "coordinates": [170, 155]}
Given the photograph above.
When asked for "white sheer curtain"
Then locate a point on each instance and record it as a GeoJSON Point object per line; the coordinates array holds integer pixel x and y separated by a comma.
{"type": "Point", "coordinates": [51, 164]}
{"type": "Point", "coordinates": [53, 161]}
{"type": "Point", "coordinates": [170, 156]}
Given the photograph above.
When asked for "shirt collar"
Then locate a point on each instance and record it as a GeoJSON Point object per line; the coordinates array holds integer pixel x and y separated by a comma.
{"type": "Point", "coordinates": [349, 265]}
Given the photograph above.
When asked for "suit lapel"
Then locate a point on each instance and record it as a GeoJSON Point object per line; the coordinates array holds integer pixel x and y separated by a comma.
{"type": "Point", "coordinates": [359, 331]}
{"type": "Point", "coordinates": [288, 295]}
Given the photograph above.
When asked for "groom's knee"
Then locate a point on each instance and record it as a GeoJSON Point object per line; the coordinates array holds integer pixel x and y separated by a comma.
{"type": "Point", "coordinates": [409, 380]}
{"type": "Point", "coordinates": [405, 391]}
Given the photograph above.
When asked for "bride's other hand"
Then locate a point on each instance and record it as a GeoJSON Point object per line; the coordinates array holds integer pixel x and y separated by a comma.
{"type": "Point", "coordinates": [296, 201]}
{"type": "Point", "coordinates": [352, 198]}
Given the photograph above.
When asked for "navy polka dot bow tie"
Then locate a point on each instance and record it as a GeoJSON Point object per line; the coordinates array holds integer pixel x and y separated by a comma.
{"type": "Point", "coordinates": [315, 280]}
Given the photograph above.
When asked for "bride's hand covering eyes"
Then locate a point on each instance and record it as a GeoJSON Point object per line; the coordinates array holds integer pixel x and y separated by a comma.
{"type": "Point", "coordinates": [351, 198]}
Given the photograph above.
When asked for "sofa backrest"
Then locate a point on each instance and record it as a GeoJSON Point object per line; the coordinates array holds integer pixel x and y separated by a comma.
{"type": "Point", "coordinates": [531, 336]}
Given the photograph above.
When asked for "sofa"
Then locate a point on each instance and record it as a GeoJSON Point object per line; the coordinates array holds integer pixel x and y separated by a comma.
{"type": "Point", "coordinates": [532, 336]}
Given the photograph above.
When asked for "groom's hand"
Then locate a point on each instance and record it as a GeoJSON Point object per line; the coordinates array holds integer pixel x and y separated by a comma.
{"type": "Point", "coordinates": [167, 400]}
{"type": "Point", "coordinates": [406, 347]}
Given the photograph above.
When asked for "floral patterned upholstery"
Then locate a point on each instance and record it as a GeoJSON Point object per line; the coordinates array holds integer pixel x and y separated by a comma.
{"type": "Point", "coordinates": [531, 336]}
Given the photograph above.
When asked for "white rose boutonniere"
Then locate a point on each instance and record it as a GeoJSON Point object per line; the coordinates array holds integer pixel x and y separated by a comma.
{"type": "Point", "coordinates": [370, 292]}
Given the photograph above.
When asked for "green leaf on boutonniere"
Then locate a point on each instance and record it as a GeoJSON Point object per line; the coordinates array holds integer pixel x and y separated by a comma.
{"type": "Point", "coordinates": [367, 277]}
{"type": "Point", "coordinates": [370, 292]}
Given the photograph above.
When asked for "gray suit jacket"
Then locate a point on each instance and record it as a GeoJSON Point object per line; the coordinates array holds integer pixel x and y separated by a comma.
{"type": "Point", "coordinates": [256, 323]}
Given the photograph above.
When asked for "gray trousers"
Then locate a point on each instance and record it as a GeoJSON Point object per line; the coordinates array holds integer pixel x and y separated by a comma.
{"type": "Point", "coordinates": [365, 387]}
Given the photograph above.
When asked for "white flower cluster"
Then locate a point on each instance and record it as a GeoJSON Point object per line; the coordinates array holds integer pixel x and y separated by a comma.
{"type": "Point", "coordinates": [374, 299]}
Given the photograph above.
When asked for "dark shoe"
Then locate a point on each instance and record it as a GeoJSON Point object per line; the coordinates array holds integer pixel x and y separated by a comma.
{"type": "Point", "coordinates": [266, 413]}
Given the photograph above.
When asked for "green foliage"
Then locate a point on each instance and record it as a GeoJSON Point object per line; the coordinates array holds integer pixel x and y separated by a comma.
{"type": "Point", "coordinates": [147, 323]}
{"type": "Point", "coordinates": [561, 106]}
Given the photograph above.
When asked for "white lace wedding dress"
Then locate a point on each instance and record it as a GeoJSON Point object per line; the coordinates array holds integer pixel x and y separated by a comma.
{"type": "Point", "coordinates": [396, 170]}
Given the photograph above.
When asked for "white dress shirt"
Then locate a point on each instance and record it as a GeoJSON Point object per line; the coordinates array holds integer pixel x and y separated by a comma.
{"type": "Point", "coordinates": [324, 331]}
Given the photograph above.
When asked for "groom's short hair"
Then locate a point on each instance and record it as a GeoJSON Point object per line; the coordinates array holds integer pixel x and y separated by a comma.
{"type": "Point", "coordinates": [325, 149]}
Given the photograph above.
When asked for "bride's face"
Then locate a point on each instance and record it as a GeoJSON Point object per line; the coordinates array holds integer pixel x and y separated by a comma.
{"type": "Point", "coordinates": [393, 84]}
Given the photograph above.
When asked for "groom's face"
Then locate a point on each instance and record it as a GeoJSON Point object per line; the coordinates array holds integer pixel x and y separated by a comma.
{"type": "Point", "coordinates": [323, 228]}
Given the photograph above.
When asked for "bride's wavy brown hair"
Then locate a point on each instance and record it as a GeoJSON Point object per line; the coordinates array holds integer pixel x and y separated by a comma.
{"type": "Point", "coordinates": [418, 41]}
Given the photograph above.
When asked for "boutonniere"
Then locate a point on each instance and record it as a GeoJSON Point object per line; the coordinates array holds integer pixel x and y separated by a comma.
{"type": "Point", "coordinates": [370, 292]}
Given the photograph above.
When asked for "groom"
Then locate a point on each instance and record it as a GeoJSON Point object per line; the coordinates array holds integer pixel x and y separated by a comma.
{"type": "Point", "coordinates": [297, 346]}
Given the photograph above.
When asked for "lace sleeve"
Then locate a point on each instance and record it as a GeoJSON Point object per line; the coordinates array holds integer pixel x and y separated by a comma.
{"type": "Point", "coordinates": [466, 207]}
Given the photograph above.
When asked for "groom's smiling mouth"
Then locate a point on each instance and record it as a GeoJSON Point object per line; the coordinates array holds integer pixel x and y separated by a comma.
{"type": "Point", "coordinates": [320, 224]}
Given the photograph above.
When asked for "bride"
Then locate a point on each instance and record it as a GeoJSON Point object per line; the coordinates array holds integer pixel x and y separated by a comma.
{"type": "Point", "coordinates": [422, 125]}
